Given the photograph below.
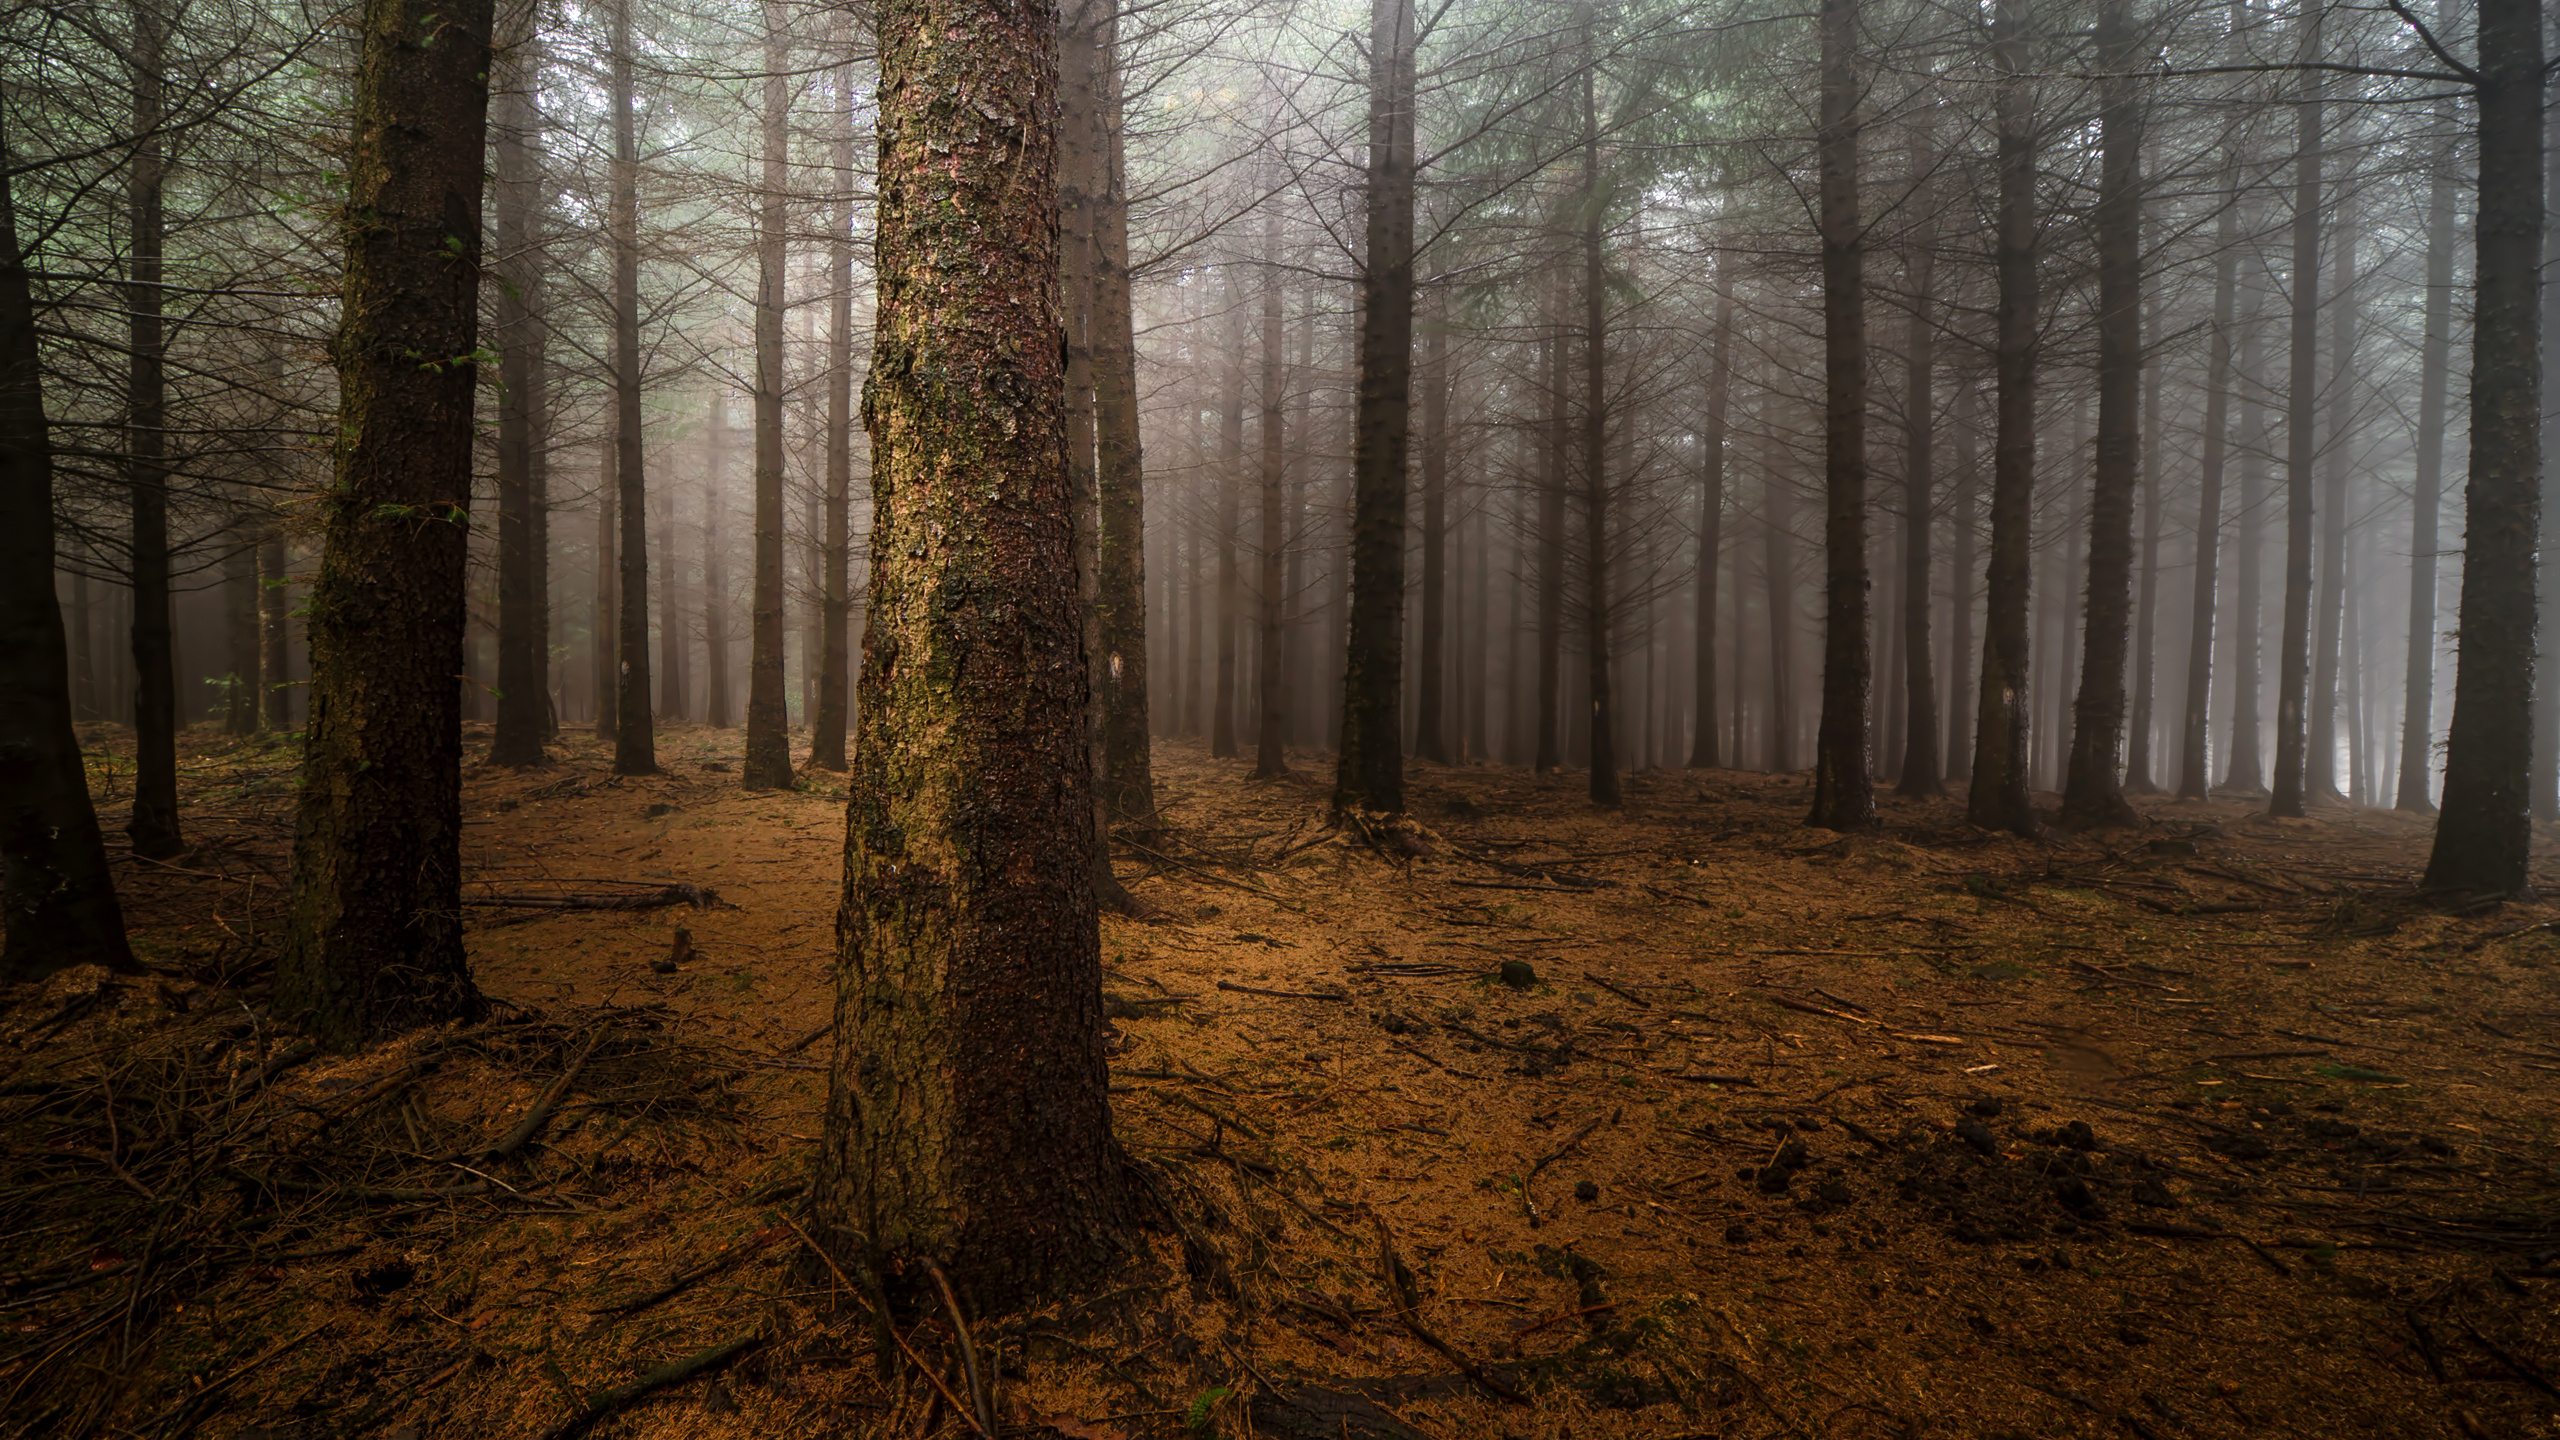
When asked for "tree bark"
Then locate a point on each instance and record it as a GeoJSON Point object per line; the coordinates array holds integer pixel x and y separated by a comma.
{"type": "Point", "coordinates": [154, 827]}
{"type": "Point", "coordinates": [714, 594]}
{"type": "Point", "coordinates": [1704, 751]}
{"type": "Point", "coordinates": [57, 895]}
{"type": "Point", "coordinates": [517, 323]}
{"type": "Point", "coordinates": [1844, 794]}
{"type": "Point", "coordinates": [373, 942]}
{"type": "Point", "coordinates": [968, 1121]}
{"type": "Point", "coordinates": [2327, 661]}
{"type": "Point", "coordinates": [1369, 772]}
{"type": "Point", "coordinates": [1595, 432]}
{"type": "Point", "coordinates": [2426, 498]}
{"type": "Point", "coordinates": [835, 647]}
{"type": "Point", "coordinates": [1128, 776]}
{"type": "Point", "coordinates": [1431, 724]}
{"type": "Point", "coordinates": [1271, 731]}
{"type": "Point", "coordinates": [635, 750]}
{"type": "Point", "coordinates": [2293, 663]}
{"type": "Point", "coordinates": [767, 762]}
{"type": "Point", "coordinates": [1229, 621]}
{"type": "Point", "coordinates": [2484, 836]}
{"type": "Point", "coordinates": [2093, 787]}
{"type": "Point", "coordinates": [2146, 640]}
{"type": "Point", "coordinates": [2246, 774]}
{"type": "Point", "coordinates": [1999, 797]}
{"type": "Point", "coordinates": [275, 633]}
{"type": "Point", "coordinates": [606, 630]}
{"type": "Point", "coordinates": [2195, 730]}
{"type": "Point", "coordinates": [1920, 748]}
{"type": "Point", "coordinates": [1962, 421]}
{"type": "Point", "coordinates": [1550, 751]}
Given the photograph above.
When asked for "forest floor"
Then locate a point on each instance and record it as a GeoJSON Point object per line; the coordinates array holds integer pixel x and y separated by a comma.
{"type": "Point", "coordinates": [2207, 1129]}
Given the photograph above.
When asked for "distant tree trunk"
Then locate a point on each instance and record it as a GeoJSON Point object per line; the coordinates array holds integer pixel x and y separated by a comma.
{"type": "Point", "coordinates": [1128, 777]}
{"type": "Point", "coordinates": [1920, 749]}
{"type": "Point", "coordinates": [1230, 617]}
{"type": "Point", "coordinates": [2486, 831]}
{"type": "Point", "coordinates": [373, 942]}
{"type": "Point", "coordinates": [1431, 727]}
{"type": "Point", "coordinates": [1595, 432]}
{"type": "Point", "coordinates": [969, 1122]}
{"type": "Point", "coordinates": [1369, 773]}
{"type": "Point", "coordinates": [2327, 662]}
{"type": "Point", "coordinates": [2293, 664]}
{"type": "Point", "coordinates": [1271, 732]}
{"type": "Point", "coordinates": [2246, 774]}
{"type": "Point", "coordinates": [154, 825]}
{"type": "Point", "coordinates": [2146, 644]}
{"type": "Point", "coordinates": [635, 750]}
{"type": "Point", "coordinates": [1081, 165]}
{"type": "Point", "coordinates": [714, 595]}
{"type": "Point", "coordinates": [606, 632]}
{"type": "Point", "coordinates": [275, 634]}
{"type": "Point", "coordinates": [1704, 752]}
{"type": "Point", "coordinates": [1777, 509]}
{"type": "Point", "coordinates": [835, 647]}
{"type": "Point", "coordinates": [1999, 797]}
{"type": "Point", "coordinates": [516, 185]}
{"type": "Point", "coordinates": [57, 895]}
{"type": "Point", "coordinates": [1550, 752]}
{"type": "Point", "coordinates": [1844, 794]}
{"type": "Point", "coordinates": [240, 630]}
{"type": "Point", "coordinates": [2093, 788]}
{"type": "Point", "coordinates": [2195, 734]}
{"type": "Point", "coordinates": [1962, 421]}
{"type": "Point", "coordinates": [2426, 500]}
{"type": "Point", "coordinates": [767, 762]}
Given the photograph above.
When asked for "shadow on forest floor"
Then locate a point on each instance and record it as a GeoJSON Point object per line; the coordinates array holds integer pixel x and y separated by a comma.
{"type": "Point", "coordinates": [2202, 1130]}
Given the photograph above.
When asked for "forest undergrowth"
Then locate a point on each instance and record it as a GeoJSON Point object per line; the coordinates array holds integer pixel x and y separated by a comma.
{"type": "Point", "coordinates": [1679, 1120]}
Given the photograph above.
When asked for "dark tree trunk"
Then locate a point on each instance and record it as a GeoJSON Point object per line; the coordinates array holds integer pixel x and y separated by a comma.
{"type": "Point", "coordinates": [2484, 836]}
{"type": "Point", "coordinates": [606, 631]}
{"type": "Point", "coordinates": [2246, 774]}
{"type": "Point", "coordinates": [1550, 752]}
{"type": "Point", "coordinates": [767, 762]}
{"type": "Point", "coordinates": [827, 717]}
{"type": "Point", "coordinates": [1271, 730]}
{"type": "Point", "coordinates": [2293, 662]}
{"type": "Point", "coordinates": [714, 594]}
{"type": "Point", "coordinates": [2093, 788]}
{"type": "Point", "coordinates": [1431, 725]}
{"type": "Point", "coordinates": [1968, 519]}
{"type": "Point", "coordinates": [1229, 623]}
{"type": "Point", "coordinates": [373, 944]}
{"type": "Point", "coordinates": [635, 750]}
{"type": "Point", "coordinates": [2544, 777]}
{"type": "Point", "coordinates": [1844, 792]}
{"type": "Point", "coordinates": [1128, 777]}
{"type": "Point", "coordinates": [1704, 752]}
{"type": "Point", "coordinates": [1777, 510]}
{"type": "Point", "coordinates": [516, 185]}
{"type": "Point", "coordinates": [1369, 774]}
{"type": "Point", "coordinates": [2195, 733]}
{"type": "Point", "coordinates": [154, 824]}
{"type": "Point", "coordinates": [1919, 434]}
{"type": "Point", "coordinates": [240, 629]}
{"type": "Point", "coordinates": [969, 1122]}
{"type": "Point", "coordinates": [2426, 500]}
{"type": "Point", "coordinates": [275, 633]}
{"type": "Point", "coordinates": [1595, 433]}
{"type": "Point", "coordinates": [1999, 798]}
{"type": "Point", "coordinates": [57, 896]}
{"type": "Point", "coordinates": [2146, 640]}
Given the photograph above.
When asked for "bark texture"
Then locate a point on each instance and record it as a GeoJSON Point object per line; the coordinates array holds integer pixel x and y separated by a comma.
{"type": "Point", "coordinates": [1999, 797]}
{"type": "Point", "coordinates": [516, 315]}
{"type": "Point", "coordinates": [2286, 796]}
{"type": "Point", "coordinates": [2426, 498]}
{"type": "Point", "coordinates": [1844, 792]}
{"type": "Point", "coordinates": [767, 763]}
{"type": "Point", "coordinates": [635, 749]}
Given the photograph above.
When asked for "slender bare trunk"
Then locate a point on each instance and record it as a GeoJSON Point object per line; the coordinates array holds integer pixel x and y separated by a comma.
{"type": "Point", "coordinates": [767, 763]}
{"type": "Point", "coordinates": [635, 749]}
{"type": "Point", "coordinates": [1999, 797]}
{"type": "Point", "coordinates": [2426, 497]}
{"type": "Point", "coordinates": [2293, 663]}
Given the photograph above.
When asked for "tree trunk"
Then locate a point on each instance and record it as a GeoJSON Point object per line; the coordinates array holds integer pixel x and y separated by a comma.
{"type": "Point", "coordinates": [1431, 724]}
{"type": "Point", "coordinates": [2544, 778]}
{"type": "Point", "coordinates": [969, 1122]}
{"type": "Point", "coordinates": [1229, 622]}
{"type": "Point", "coordinates": [1844, 796]}
{"type": "Point", "coordinates": [2093, 788]}
{"type": "Point", "coordinates": [516, 185]}
{"type": "Point", "coordinates": [275, 634]}
{"type": "Point", "coordinates": [2246, 774]}
{"type": "Point", "coordinates": [2146, 643]}
{"type": "Point", "coordinates": [1999, 797]}
{"type": "Point", "coordinates": [1270, 754]}
{"type": "Point", "coordinates": [1920, 748]}
{"type": "Point", "coordinates": [57, 895]}
{"type": "Point", "coordinates": [2426, 500]}
{"type": "Point", "coordinates": [154, 826]}
{"type": "Point", "coordinates": [373, 943]}
{"type": "Point", "coordinates": [2327, 660]}
{"type": "Point", "coordinates": [716, 697]}
{"type": "Point", "coordinates": [1128, 777]}
{"type": "Point", "coordinates": [1550, 753]}
{"type": "Point", "coordinates": [1369, 773]}
{"type": "Point", "coordinates": [1777, 510]}
{"type": "Point", "coordinates": [240, 629]}
{"type": "Point", "coordinates": [2484, 836]}
{"type": "Point", "coordinates": [835, 648]}
{"type": "Point", "coordinates": [1595, 432]}
{"type": "Point", "coordinates": [767, 762]}
{"type": "Point", "coordinates": [2293, 663]}
{"type": "Point", "coordinates": [1962, 421]}
{"type": "Point", "coordinates": [2195, 731]}
{"type": "Point", "coordinates": [635, 750]}
{"type": "Point", "coordinates": [605, 632]}
{"type": "Point", "coordinates": [1704, 752]}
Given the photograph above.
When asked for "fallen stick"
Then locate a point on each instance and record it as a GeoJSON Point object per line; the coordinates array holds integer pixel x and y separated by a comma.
{"type": "Point", "coordinates": [1525, 1331]}
{"type": "Point", "coordinates": [606, 1402]}
{"type": "Point", "coordinates": [1403, 1301]}
{"type": "Point", "coordinates": [1629, 996]}
{"type": "Point", "coordinates": [542, 1108]}
{"type": "Point", "coordinates": [700, 897]}
{"type": "Point", "coordinates": [1230, 985]}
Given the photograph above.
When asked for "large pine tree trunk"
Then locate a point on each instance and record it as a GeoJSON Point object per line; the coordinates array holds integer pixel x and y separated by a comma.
{"type": "Point", "coordinates": [1431, 724]}
{"type": "Point", "coordinates": [2544, 777]}
{"type": "Point", "coordinates": [635, 750]}
{"type": "Point", "coordinates": [57, 896]}
{"type": "Point", "coordinates": [1920, 749]}
{"type": "Point", "coordinates": [1844, 794]}
{"type": "Point", "coordinates": [1369, 773]}
{"type": "Point", "coordinates": [2426, 496]}
{"type": "Point", "coordinates": [1271, 728]}
{"type": "Point", "coordinates": [1597, 659]}
{"type": "Point", "coordinates": [1704, 752]}
{"type": "Point", "coordinates": [1128, 776]}
{"type": "Point", "coordinates": [2485, 833]}
{"type": "Point", "coordinates": [2293, 662]}
{"type": "Point", "coordinates": [154, 824]}
{"type": "Point", "coordinates": [767, 763]}
{"type": "Point", "coordinates": [1999, 797]}
{"type": "Point", "coordinates": [969, 1123]}
{"type": "Point", "coordinates": [835, 618]}
{"type": "Point", "coordinates": [373, 944]}
{"type": "Point", "coordinates": [2146, 642]}
{"type": "Point", "coordinates": [2246, 774]}
{"type": "Point", "coordinates": [2093, 787]}
{"type": "Point", "coordinates": [516, 185]}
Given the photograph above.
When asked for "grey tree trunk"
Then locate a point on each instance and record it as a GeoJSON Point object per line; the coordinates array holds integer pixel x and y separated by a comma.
{"type": "Point", "coordinates": [767, 763]}
{"type": "Point", "coordinates": [1999, 797]}
{"type": "Point", "coordinates": [2195, 731]}
{"type": "Point", "coordinates": [2293, 665]}
{"type": "Point", "coordinates": [2426, 498]}
{"type": "Point", "coordinates": [1704, 752]}
{"type": "Point", "coordinates": [1920, 748]}
{"type": "Point", "coordinates": [635, 750]}
{"type": "Point", "coordinates": [1844, 792]}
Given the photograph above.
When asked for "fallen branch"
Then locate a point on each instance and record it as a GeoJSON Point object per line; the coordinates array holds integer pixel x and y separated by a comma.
{"type": "Point", "coordinates": [1404, 1300]}
{"type": "Point", "coordinates": [606, 1402]}
{"type": "Point", "coordinates": [700, 897]}
{"type": "Point", "coordinates": [1230, 985]}
{"type": "Point", "coordinates": [542, 1108]}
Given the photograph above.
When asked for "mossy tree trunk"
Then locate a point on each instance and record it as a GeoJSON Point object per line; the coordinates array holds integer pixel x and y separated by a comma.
{"type": "Point", "coordinates": [374, 940]}
{"type": "Point", "coordinates": [969, 1122]}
